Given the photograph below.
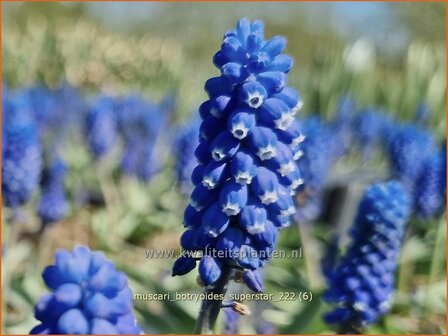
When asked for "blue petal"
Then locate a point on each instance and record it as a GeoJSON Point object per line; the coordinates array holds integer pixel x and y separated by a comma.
{"type": "Point", "coordinates": [224, 146]}
{"type": "Point", "coordinates": [233, 198]}
{"type": "Point", "coordinates": [183, 265]}
{"type": "Point", "coordinates": [273, 81]}
{"type": "Point", "coordinates": [202, 153]}
{"type": "Point", "coordinates": [72, 322]}
{"type": "Point", "coordinates": [103, 327]}
{"type": "Point", "coordinates": [215, 174]}
{"type": "Point", "coordinates": [201, 197]}
{"type": "Point", "coordinates": [253, 217]}
{"type": "Point", "coordinates": [253, 280]}
{"type": "Point", "coordinates": [68, 294]}
{"type": "Point", "coordinates": [265, 185]}
{"type": "Point", "coordinates": [210, 270]}
{"type": "Point", "coordinates": [215, 221]}
{"type": "Point", "coordinates": [234, 72]}
{"type": "Point", "coordinates": [243, 168]}
{"type": "Point", "coordinates": [253, 94]}
{"type": "Point", "coordinates": [264, 142]}
{"type": "Point", "coordinates": [274, 46]}
{"type": "Point", "coordinates": [241, 124]}
{"type": "Point", "coordinates": [192, 218]}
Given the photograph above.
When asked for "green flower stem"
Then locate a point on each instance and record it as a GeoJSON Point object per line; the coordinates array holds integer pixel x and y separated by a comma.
{"type": "Point", "coordinates": [210, 308]}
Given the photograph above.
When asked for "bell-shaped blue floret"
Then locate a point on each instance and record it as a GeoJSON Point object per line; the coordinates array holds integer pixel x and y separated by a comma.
{"type": "Point", "coordinates": [233, 197]}
{"type": "Point", "coordinates": [265, 186]}
{"type": "Point", "coordinates": [253, 280]}
{"type": "Point", "coordinates": [215, 221]}
{"type": "Point", "coordinates": [210, 270]}
{"type": "Point", "coordinates": [215, 174]}
{"type": "Point", "coordinates": [224, 146]}
{"type": "Point", "coordinates": [243, 168]}
{"type": "Point", "coordinates": [201, 197]}
{"type": "Point", "coordinates": [263, 142]}
{"type": "Point", "coordinates": [253, 217]}
{"type": "Point", "coordinates": [183, 265]}
{"type": "Point", "coordinates": [241, 124]}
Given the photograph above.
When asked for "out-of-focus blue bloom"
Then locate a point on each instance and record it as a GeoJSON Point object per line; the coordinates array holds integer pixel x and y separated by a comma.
{"type": "Point", "coordinates": [21, 151]}
{"type": "Point", "coordinates": [101, 126]}
{"type": "Point", "coordinates": [429, 197]}
{"type": "Point", "coordinates": [341, 127]}
{"type": "Point", "coordinates": [442, 178]}
{"type": "Point", "coordinates": [247, 174]}
{"type": "Point", "coordinates": [141, 124]}
{"type": "Point", "coordinates": [44, 106]}
{"type": "Point", "coordinates": [362, 284]}
{"type": "Point", "coordinates": [185, 142]}
{"type": "Point", "coordinates": [231, 322]}
{"type": "Point", "coordinates": [408, 146]}
{"type": "Point", "coordinates": [314, 164]}
{"type": "Point", "coordinates": [265, 328]}
{"type": "Point", "coordinates": [88, 296]}
{"type": "Point", "coordinates": [370, 128]}
{"type": "Point", "coordinates": [53, 204]}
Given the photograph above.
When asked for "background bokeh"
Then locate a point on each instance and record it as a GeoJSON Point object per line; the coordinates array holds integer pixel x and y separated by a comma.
{"type": "Point", "coordinates": [389, 57]}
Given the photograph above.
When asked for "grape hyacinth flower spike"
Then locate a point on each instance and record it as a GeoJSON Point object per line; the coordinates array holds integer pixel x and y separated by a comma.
{"type": "Point", "coordinates": [21, 151]}
{"type": "Point", "coordinates": [247, 174]}
{"type": "Point", "coordinates": [88, 296]}
{"type": "Point", "coordinates": [101, 126]}
{"type": "Point", "coordinates": [53, 204]}
{"type": "Point", "coordinates": [362, 283]}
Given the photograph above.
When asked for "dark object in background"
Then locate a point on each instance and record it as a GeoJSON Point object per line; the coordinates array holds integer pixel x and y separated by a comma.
{"type": "Point", "coordinates": [341, 199]}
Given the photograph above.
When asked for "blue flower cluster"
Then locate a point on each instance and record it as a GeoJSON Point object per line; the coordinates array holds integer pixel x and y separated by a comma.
{"type": "Point", "coordinates": [314, 166]}
{"type": "Point", "coordinates": [415, 160]}
{"type": "Point", "coordinates": [88, 296]}
{"type": "Point", "coordinates": [140, 124]}
{"type": "Point", "coordinates": [408, 146]}
{"type": "Point", "coordinates": [101, 126]}
{"type": "Point", "coordinates": [371, 127]}
{"type": "Point", "coordinates": [185, 143]}
{"type": "Point", "coordinates": [247, 175]}
{"type": "Point", "coordinates": [341, 127]}
{"type": "Point", "coordinates": [362, 283]}
{"type": "Point", "coordinates": [53, 205]}
{"type": "Point", "coordinates": [21, 151]}
{"type": "Point", "coordinates": [429, 193]}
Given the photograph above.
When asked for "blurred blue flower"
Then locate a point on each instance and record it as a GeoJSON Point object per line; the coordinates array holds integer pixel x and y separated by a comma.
{"type": "Point", "coordinates": [370, 128]}
{"type": "Point", "coordinates": [429, 197]}
{"type": "Point", "coordinates": [362, 284]}
{"type": "Point", "coordinates": [341, 127]}
{"type": "Point", "coordinates": [53, 203]}
{"type": "Point", "coordinates": [231, 322]}
{"type": "Point", "coordinates": [247, 173]}
{"type": "Point", "coordinates": [88, 296]}
{"type": "Point", "coordinates": [21, 151]}
{"type": "Point", "coordinates": [44, 106]}
{"type": "Point", "coordinates": [314, 164]}
{"type": "Point", "coordinates": [408, 146]}
{"type": "Point", "coordinates": [140, 124]}
{"type": "Point", "coordinates": [101, 126]}
{"type": "Point", "coordinates": [185, 142]}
